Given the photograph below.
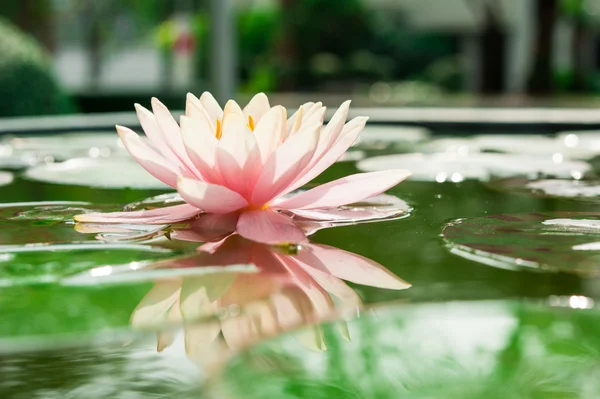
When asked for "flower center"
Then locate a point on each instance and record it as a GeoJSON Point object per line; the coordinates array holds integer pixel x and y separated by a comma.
{"type": "Point", "coordinates": [262, 207]}
{"type": "Point", "coordinates": [219, 129]}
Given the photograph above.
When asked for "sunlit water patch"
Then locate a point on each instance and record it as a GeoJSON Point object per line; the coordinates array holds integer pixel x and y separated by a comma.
{"type": "Point", "coordinates": [114, 172]}
{"type": "Point", "coordinates": [543, 241]}
{"type": "Point", "coordinates": [475, 350]}
{"type": "Point", "coordinates": [449, 167]}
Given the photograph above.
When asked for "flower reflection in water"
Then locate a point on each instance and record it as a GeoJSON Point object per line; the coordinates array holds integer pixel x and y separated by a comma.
{"type": "Point", "coordinates": [231, 308]}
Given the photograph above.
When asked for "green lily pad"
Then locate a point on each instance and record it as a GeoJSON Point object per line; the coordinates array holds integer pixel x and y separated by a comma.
{"type": "Point", "coordinates": [543, 241]}
{"type": "Point", "coordinates": [467, 350]}
{"type": "Point", "coordinates": [114, 172]}
{"type": "Point", "coordinates": [42, 223]}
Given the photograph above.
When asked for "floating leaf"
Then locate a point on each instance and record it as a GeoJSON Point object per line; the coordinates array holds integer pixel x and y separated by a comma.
{"type": "Point", "coordinates": [382, 137]}
{"type": "Point", "coordinates": [588, 190]}
{"type": "Point", "coordinates": [52, 263]}
{"type": "Point", "coordinates": [536, 145]}
{"type": "Point", "coordinates": [65, 146]}
{"type": "Point", "coordinates": [378, 208]}
{"type": "Point", "coordinates": [544, 241]}
{"type": "Point", "coordinates": [455, 168]}
{"type": "Point", "coordinates": [39, 223]}
{"type": "Point", "coordinates": [96, 172]}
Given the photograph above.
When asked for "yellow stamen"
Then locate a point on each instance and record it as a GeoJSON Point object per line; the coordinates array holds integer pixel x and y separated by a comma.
{"type": "Point", "coordinates": [258, 207]}
{"type": "Point", "coordinates": [219, 132]}
{"type": "Point", "coordinates": [250, 122]}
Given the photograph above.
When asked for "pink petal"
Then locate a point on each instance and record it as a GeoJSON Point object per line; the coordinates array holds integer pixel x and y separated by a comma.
{"type": "Point", "coordinates": [292, 120]}
{"type": "Point", "coordinates": [153, 132]}
{"type": "Point", "coordinates": [211, 198]}
{"type": "Point", "coordinates": [349, 266]}
{"type": "Point", "coordinates": [195, 110]}
{"type": "Point", "coordinates": [257, 107]}
{"type": "Point", "coordinates": [201, 145]}
{"type": "Point", "coordinates": [329, 156]}
{"type": "Point", "coordinates": [211, 106]}
{"type": "Point", "coordinates": [147, 157]}
{"type": "Point", "coordinates": [208, 227]}
{"type": "Point", "coordinates": [269, 227]}
{"type": "Point", "coordinates": [238, 155]}
{"type": "Point", "coordinates": [270, 131]}
{"type": "Point", "coordinates": [295, 122]}
{"type": "Point", "coordinates": [332, 131]}
{"type": "Point", "coordinates": [285, 164]}
{"type": "Point", "coordinates": [346, 190]}
{"type": "Point", "coordinates": [232, 108]}
{"type": "Point", "coordinates": [171, 214]}
{"type": "Point", "coordinates": [172, 134]}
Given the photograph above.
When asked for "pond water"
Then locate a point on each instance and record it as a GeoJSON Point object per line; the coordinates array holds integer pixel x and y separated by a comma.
{"type": "Point", "coordinates": [478, 279]}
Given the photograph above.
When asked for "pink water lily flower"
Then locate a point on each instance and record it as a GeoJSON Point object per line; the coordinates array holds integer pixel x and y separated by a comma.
{"type": "Point", "coordinates": [239, 165]}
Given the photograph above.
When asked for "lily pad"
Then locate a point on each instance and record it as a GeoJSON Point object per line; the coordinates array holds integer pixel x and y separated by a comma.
{"type": "Point", "coordinates": [585, 190]}
{"type": "Point", "coordinates": [65, 146]}
{"type": "Point", "coordinates": [467, 350]}
{"type": "Point", "coordinates": [542, 241]}
{"type": "Point", "coordinates": [447, 167]}
{"type": "Point", "coordinates": [5, 178]}
{"type": "Point", "coordinates": [381, 137]}
{"type": "Point", "coordinates": [581, 140]}
{"type": "Point", "coordinates": [41, 223]}
{"type": "Point", "coordinates": [96, 172]}
{"type": "Point", "coordinates": [52, 263]}
{"type": "Point", "coordinates": [536, 145]}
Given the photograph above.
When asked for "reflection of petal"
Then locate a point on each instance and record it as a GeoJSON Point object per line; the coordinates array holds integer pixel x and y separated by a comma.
{"type": "Point", "coordinates": [350, 267]}
{"type": "Point", "coordinates": [239, 331]}
{"type": "Point", "coordinates": [312, 338]}
{"type": "Point", "coordinates": [269, 227]}
{"type": "Point", "coordinates": [153, 308]}
{"type": "Point", "coordinates": [199, 295]}
{"type": "Point", "coordinates": [166, 337]}
{"type": "Point", "coordinates": [208, 227]}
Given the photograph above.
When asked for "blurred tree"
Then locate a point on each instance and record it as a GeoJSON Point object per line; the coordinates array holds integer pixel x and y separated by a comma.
{"type": "Point", "coordinates": [575, 12]}
{"type": "Point", "coordinates": [32, 16]}
{"type": "Point", "coordinates": [27, 84]}
{"type": "Point", "coordinates": [541, 77]}
{"type": "Point", "coordinates": [337, 27]}
{"type": "Point", "coordinates": [492, 46]}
